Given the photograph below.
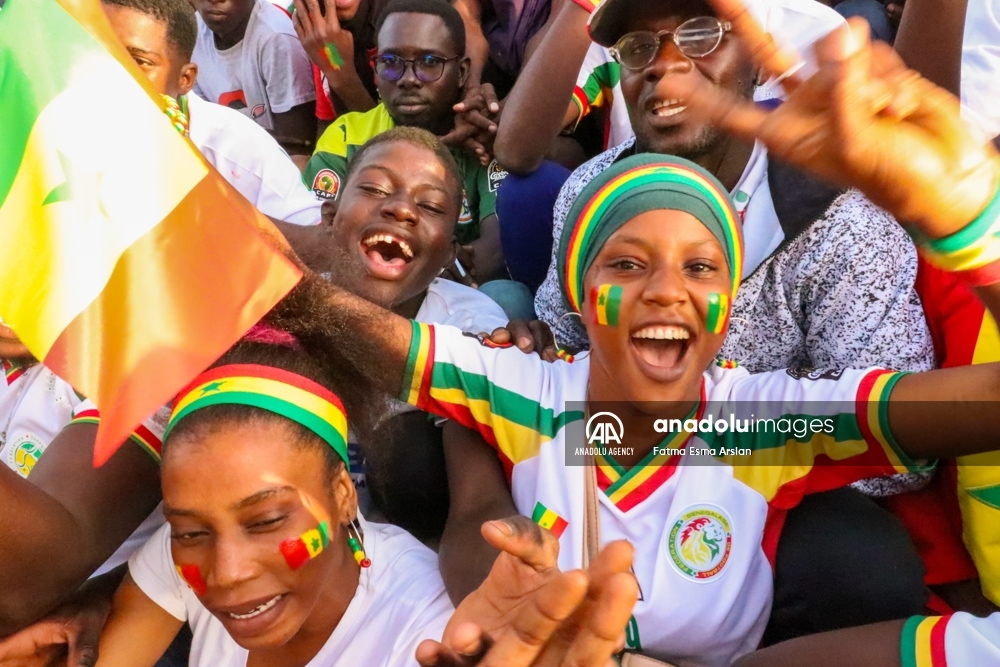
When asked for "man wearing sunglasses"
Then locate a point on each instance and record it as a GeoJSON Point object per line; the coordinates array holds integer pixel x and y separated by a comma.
{"type": "Point", "coordinates": [421, 70]}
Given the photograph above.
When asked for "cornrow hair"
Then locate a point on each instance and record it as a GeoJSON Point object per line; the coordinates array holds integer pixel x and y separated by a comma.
{"type": "Point", "coordinates": [452, 19]}
{"type": "Point", "coordinates": [417, 137]}
{"type": "Point", "coordinates": [177, 15]}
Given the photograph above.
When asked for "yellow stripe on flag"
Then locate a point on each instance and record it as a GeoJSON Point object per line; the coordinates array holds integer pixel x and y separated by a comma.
{"type": "Point", "coordinates": [313, 541]}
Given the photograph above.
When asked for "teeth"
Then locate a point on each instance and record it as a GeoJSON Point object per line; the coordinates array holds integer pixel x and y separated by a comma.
{"type": "Point", "coordinates": [385, 238]}
{"type": "Point", "coordinates": [665, 112]}
{"type": "Point", "coordinates": [663, 333]}
{"type": "Point", "coordinates": [665, 103]}
{"type": "Point", "coordinates": [258, 611]}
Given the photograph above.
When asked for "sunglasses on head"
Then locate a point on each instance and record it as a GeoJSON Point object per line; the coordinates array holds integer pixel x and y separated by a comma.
{"type": "Point", "coordinates": [427, 68]}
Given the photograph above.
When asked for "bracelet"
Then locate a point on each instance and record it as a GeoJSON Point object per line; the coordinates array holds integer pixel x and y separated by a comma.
{"type": "Point", "coordinates": [973, 252]}
{"type": "Point", "coordinates": [588, 5]}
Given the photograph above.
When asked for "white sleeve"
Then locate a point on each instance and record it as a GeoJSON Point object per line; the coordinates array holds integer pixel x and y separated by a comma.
{"type": "Point", "coordinates": [287, 73]}
{"type": "Point", "coordinates": [152, 568]}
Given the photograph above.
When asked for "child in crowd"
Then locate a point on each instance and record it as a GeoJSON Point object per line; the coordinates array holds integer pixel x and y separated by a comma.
{"type": "Point", "coordinates": [160, 35]}
{"type": "Point", "coordinates": [421, 69]}
{"type": "Point", "coordinates": [250, 59]}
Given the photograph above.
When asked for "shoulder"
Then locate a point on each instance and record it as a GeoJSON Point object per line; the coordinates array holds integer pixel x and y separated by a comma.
{"type": "Point", "coordinates": [213, 124]}
{"type": "Point", "coordinates": [407, 570]}
{"type": "Point", "coordinates": [452, 303]}
{"type": "Point", "coordinates": [270, 20]}
{"type": "Point", "coordinates": [354, 129]}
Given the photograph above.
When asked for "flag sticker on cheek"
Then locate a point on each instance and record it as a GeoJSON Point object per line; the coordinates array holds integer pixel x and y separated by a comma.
{"type": "Point", "coordinates": [192, 575]}
{"type": "Point", "coordinates": [718, 312]}
{"type": "Point", "coordinates": [306, 546]}
{"type": "Point", "coordinates": [606, 300]}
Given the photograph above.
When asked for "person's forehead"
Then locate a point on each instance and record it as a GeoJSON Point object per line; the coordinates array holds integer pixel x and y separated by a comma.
{"type": "Point", "coordinates": [414, 31]}
{"type": "Point", "coordinates": [138, 30]}
{"type": "Point", "coordinates": [405, 160]}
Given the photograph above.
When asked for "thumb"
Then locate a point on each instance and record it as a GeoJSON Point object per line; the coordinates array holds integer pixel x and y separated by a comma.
{"type": "Point", "coordinates": [84, 640]}
{"type": "Point", "coordinates": [522, 538]}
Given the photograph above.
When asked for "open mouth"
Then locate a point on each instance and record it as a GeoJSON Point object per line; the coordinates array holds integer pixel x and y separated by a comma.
{"type": "Point", "coordinates": [387, 254]}
{"type": "Point", "coordinates": [668, 108]}
{"type": "Point", "coordinates": [662, 347]}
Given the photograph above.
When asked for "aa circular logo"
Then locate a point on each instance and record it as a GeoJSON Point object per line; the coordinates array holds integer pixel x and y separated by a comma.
{"type": "Point", "coordinates": [700, 541]}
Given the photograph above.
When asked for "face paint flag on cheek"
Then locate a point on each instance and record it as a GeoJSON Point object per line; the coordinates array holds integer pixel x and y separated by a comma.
{"type": "Point", "coordinates": [306, 546]}
{"type": "Point", "coordinates": [718, 311]}
{"type": "Point", "coordinates": [192, 575]}
{"type": "Point", "coordinates": [607, 300]}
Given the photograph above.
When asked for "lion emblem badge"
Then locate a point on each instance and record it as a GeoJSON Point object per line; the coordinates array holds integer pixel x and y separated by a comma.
{"type": "Point", "coordinates": [700, 542]}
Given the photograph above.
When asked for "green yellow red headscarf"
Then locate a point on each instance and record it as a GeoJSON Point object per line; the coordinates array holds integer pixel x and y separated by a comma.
{"type": "Point", "coordinates": [631, 187]}
{"type": "Point", "coordinates": [279, 391]}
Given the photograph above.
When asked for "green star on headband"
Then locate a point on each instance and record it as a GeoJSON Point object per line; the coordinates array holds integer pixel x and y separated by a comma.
{"type": "Point", "coordinates": [279, 391]}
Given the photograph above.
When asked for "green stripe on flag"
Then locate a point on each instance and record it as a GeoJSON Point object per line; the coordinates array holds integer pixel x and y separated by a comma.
{"type": "Point", "coordinates": [42, 51]}
{"type": "Point", "coordinates": [539, 512]}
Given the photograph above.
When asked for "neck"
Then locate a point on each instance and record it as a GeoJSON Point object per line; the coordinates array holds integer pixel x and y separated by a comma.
{"type": "Point", "coordinates": [606, 393]}
{"type": "Point", "coordinates": [233, 37]}
{"type": "Point", "coordinates": [410, 307]}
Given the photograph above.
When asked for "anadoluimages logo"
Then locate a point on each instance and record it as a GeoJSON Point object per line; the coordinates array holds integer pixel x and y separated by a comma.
{"type": "Point", "coordinates": [603, 431]}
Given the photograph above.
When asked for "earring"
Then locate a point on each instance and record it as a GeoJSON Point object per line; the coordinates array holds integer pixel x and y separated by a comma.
{"type": "Point", "coordinates": [357, 544]}
{"type": "Point", "coordinates": [560, 351]}
{"type": "Point", "coordinates": [606, 301]}
{"type": "Point", "coordinates": [722, 362]}
{"type": "Point", "coordinates": [718, 311]}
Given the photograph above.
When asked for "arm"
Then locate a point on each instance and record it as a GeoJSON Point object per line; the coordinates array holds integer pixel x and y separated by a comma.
{"type": "Point", "coordinates": [134, 616]}
{"type": "Point", "coordinates": [295, 129]}
{"type": "Point", "coordinates": [291, 94]}
{"type": "Point", "coordinates": [487, 253]}
{"type": "Point", "coordinates": [536, 108]}
{"type": "Point", "coordinates": [478, 493]}
{"type": "Point", "coordinates": [71, 517]}
{"type": "Point", "coordinates": [930, 40]}
{"type": "Point", "coordinates": [476, 47]}
{"type": "Point", "coordinates": [866, 646]}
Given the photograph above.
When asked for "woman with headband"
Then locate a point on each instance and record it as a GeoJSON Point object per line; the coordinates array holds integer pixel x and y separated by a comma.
{"type": "Point", "coordinates": [266, 557]}
{"type": "Point", "coordinates": [650, 265]}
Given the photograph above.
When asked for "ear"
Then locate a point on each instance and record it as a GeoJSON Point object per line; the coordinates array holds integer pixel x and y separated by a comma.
{"type": "Point", "coordinates": [345, 497]}
{"type": "Point", "coordinates": [464, 67]}
{"type": "Point", "coordinates": [189, 74]}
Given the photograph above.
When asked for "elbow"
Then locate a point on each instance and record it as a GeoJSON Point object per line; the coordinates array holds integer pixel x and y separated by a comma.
{"type": "Point", "coordinates": [517, 157]}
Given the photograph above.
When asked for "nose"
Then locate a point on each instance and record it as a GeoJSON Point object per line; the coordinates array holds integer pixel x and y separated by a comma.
{"type": "Point", "coordinates": [400, 208]}
{"type": "Point", "coordinates": [233, 563]}
{"type": "Point", "coordinates": [668, 60]}
{"type": "Point", "coordinates": [409, 78]}
{"type": "Point", "coordinates": [665, 288]}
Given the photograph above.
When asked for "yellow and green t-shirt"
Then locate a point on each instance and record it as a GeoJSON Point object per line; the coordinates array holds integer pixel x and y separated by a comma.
{"type": "Point", "coordinates": [327, 168]}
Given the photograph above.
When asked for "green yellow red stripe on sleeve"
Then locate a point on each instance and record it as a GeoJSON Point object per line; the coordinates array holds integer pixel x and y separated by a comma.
{"type": "Point", "coordinates": [923, 641]}
{"type": "Point", "coordinates": [872, 408]}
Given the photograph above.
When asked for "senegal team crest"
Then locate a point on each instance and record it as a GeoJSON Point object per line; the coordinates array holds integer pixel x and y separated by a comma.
{"type": "Point", "coordinates": [700, 542]}
{"type": "Point", "coordinates": [24, 453]}
{"type": "Point", "coordinates": [326, 185]}
{"type": "Point", "coordinates": [465, 217]}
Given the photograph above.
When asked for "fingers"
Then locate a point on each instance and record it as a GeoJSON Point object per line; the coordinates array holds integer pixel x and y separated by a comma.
{"type": "Point", "coordinates": [523, 539]}
{"type": "Point", "coordinates": [501, 336]}
{"type": "Point", "coordinates": [23, 645]}
{"type": "Point", "coordinates": [600, 632]}
{"type": "Point", "coordinates": [548, 608]}
{"type": "Point", "coordinates": [763, 49]}
{"type": "Point", "coordinates": [85, 638]}
{"type": "Point", "coordinates": [521, 335]}
{"type": "Point", "coordinates": [466, 647]}
{"type": "Point", "coordinates": [543, 340]}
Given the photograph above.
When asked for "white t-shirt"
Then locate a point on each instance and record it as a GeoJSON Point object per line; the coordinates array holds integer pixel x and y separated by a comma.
{"type": "Point", "coordinates": [252, 161]}
{"type": "Point", "coordinates": [268, 72]}
{"type": "Point", "coordinates": [35, 405]}
{"type": "Point", "coordinates": [400, 601]}
{"type": "Point", "coordinates": [981, 67]}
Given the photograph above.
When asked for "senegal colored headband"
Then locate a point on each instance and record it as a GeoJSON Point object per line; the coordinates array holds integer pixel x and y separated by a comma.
{"type": "Point", "coordinates": [281, 392]}
{"type": "Point", "coordinates": [631, 187]}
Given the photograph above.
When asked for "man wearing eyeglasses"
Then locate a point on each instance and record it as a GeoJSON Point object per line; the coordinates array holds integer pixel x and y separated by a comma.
{"type": "Point", "coordinates": [421, 70]}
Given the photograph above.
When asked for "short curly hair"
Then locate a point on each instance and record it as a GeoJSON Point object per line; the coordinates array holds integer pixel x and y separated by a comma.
{"type": "Point", "coordinates": [440, 8]}
{"type": "Point", "coordinates": [177, 15]}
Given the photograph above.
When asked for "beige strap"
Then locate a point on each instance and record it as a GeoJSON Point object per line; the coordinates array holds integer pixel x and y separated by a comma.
{"type": "Point", "coordinates": [591, 513]}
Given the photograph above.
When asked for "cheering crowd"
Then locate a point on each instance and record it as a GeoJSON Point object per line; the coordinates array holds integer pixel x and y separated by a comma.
{"type": "Point", "coordinates": [511, 219]}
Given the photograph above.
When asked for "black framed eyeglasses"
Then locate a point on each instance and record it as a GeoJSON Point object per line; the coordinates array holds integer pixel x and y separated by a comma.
{"type": "Point", "coordinates": [428, 68]}
{"type": "Point", "coordinates": [695, 38]}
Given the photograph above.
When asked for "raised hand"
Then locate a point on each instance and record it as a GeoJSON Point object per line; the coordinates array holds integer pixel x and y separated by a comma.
{"type": "Point", "coordinates": [528, 613]}
{"type": "Point", "coordinates": [331, 48]}
{"type": "Point", "coordinates": [476, 123]}
{"type": "Point", "coordinates": [864, 120]}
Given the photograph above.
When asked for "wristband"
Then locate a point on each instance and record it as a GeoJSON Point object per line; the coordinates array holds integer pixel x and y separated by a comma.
{"type": "Point", "coordinates": [588, 5]}
{"type": "Point", "coordinates": [973, 252]}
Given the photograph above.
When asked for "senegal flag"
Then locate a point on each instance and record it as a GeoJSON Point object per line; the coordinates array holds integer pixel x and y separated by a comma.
{"type": "Point", "coordinates": [129, 264]}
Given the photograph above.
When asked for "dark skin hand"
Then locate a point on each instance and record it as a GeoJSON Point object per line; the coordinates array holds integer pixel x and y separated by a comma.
{"type": "Point", "coordinates": [483, 258]}
{"type": "Point", "coordinates": [71, 517]}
